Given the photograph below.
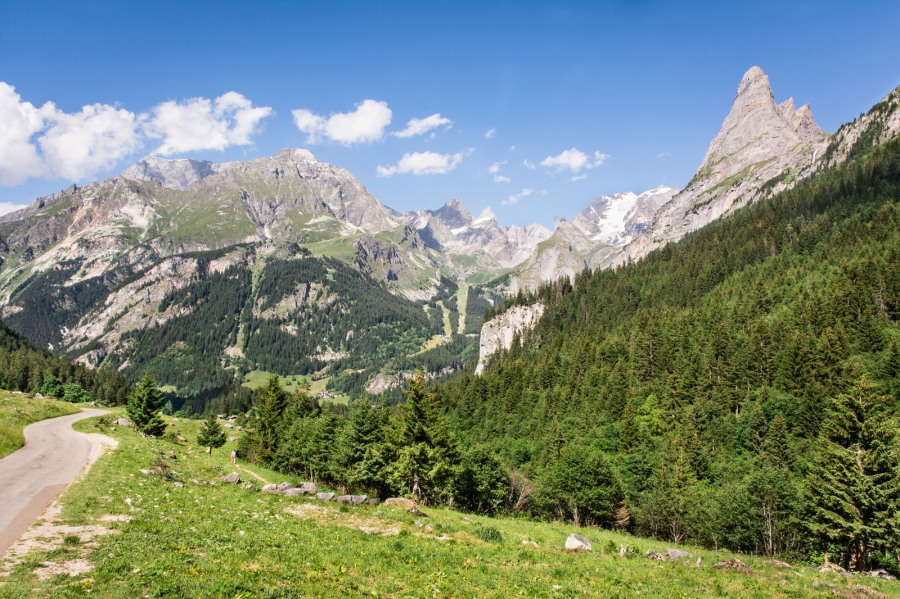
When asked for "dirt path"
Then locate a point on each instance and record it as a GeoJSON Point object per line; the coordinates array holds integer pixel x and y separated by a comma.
{"type": "Point", "coordinates": [253, 474]}
{"type": "Point", "coordinates": [33, 476]}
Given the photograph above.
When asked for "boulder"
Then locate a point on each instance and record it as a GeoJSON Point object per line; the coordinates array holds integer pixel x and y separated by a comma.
{"type": "Point", "coordinates": [774, 563]}
{"type": "Point", "coordinates": [577, 543]}
{"type": "Point", "coordinates": [284, 486]}
{"type": "Point", "coordinates": [373, 501]}
{"type": "Point", "coordinates": [417, 512]}
{"type": "Point", "coordinates": [351, 499]}
{"type": "Point", "coordinates": [233, 478]}
{"type": "Point", "coordinates": [530, 544]}
{"type": "Point", "coordinates": [325, 496]}
{"type": "Point", "coordinates": [308, 488]}
{"type": "Point", "coordinates": [400, 503]}
{"type": "Point", "coordinates": [734, 564]}
{"type": "Point", "coordinates": [123, 422]}
{"type": "Point", "coordinates": [179, 484]}
{"type": "Point", "coordinates": [293, 492]}
{"type": "Point", "coordinates": [673, 555]}
{"type": "Point", "coordinates": [883, 574]}
{"type": "Point", "coordinates": [272, 489]}
{"type": "Point", "coordinates": [656, 556]}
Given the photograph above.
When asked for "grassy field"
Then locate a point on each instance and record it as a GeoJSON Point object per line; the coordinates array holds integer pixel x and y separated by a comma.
{"type": "Point", "coordinates": [18, 411]}
{"type": "Point", "coordinates": [209, 539]}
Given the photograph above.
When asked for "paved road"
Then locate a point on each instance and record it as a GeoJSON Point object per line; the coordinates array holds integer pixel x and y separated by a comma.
{"type": "Point", "coordinates": [33, 476]}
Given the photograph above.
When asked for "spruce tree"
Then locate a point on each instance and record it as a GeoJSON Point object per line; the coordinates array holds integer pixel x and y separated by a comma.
{"type": "Point", "coordinates": [143, 408]}
{"type": "Point", "coordinates": [855, 479]}
{"type": "Point", "coordinates": [271, 403]}
{"type": "Point", "coordinates": [211, 434]}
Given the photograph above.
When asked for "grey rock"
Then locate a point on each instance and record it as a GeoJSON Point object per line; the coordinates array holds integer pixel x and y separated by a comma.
{"type": "Point", "coordinates": [373, 501]}
{"type": "Point", "coordinates": [272, 489]}
{"type": "Point", "coordinates": [577, 543]}
{"type": "Point", "coordinates": [284, 486]}
{"type": "Point", "coordinates": [656, 556]}
{"type": "Point", "coordinates": [325, 496]}
{"type": "Point", "coordinates": [178, 484]}
{"type": "Point", "coordinates": [233, 478]}
{"type": "Point", "coordinates": [673, 555]}
{"type": "Point", "coordinates": [308, 488]}
{"type": "Point", "coordinates": [351, 499]}
{"type": "Point", "coordinates": [123, 422]}
{"type": "Point", "coordinates": [293, 492]}
{"type": "Point", "coordinates": [417, 512]}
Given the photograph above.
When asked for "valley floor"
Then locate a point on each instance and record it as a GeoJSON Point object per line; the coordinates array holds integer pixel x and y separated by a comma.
{"type": "Point", "coordinates": [127, 530]}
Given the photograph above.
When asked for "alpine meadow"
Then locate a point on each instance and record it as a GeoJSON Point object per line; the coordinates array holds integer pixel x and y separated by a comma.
{"type": "Point", "coordinates": [672, 392]}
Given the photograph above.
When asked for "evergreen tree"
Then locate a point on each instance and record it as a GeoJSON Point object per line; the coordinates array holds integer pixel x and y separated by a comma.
{"type": "Point", "coordinates": [143, 408]}
{"type": "Point", "coordinates": [271, 403]}
{"type": "Point", "coordinates": [855, 479]}
{"type": "Point", "coordinates": [211, 434]}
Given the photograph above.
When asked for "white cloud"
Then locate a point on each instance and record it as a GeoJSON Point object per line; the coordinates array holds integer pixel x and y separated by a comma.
{"type": "Point", "coordinates": [19, 122]}
{"type": "Point", "coordinates": [578, 178]}
{"type": "Point", "coordinates": [422, 163]}
{"type": "Point", "coordinates": [79, 144]}
{"type": "Point", "coordinates": [495, 170]}
{"type": "Point", "coordinates": [365, 124]}
{"type": "Point", "coordinates": [490, 133]}
{"type": "Point", "coordinates": [514, 199]}
{"type": "Point", "coordinates": [420, 126]}
{"type": "Point", "coordinates": [574, 160]}
{"type": "Point", "coordinates": [501, 179]}
{"type": "Point", "coordinates": [664, 154]}
{"type": "Point", "coordinates": [204, 124]}
{"type": "Point", "coordinates": [528, 165]}
{"type": "Point", "coordinates": [72, 145]}
{"type": "Point", "coordinates": [7, 207]}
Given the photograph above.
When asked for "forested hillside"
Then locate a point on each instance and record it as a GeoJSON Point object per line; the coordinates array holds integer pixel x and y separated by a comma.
{"type": "Point", "coordinates": [738, 389]}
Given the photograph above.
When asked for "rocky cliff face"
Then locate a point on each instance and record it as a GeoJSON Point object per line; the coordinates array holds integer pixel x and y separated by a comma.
{"type": "Point", "coordinates": [498, 332]}
{"type": "Point", "coordinates": [620, 218]}
{"type": "Point", "coordinates": [759, 140]}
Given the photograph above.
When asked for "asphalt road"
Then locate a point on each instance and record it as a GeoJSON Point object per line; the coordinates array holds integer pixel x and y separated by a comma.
{"type": "Point", "coordinates": [33, 476]}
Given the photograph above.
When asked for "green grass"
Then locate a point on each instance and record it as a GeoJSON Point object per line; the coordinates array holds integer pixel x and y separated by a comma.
{"type": "Point", "coordinates": [210, 539]}
{"type": "Point", "coordinates": [18, 411]}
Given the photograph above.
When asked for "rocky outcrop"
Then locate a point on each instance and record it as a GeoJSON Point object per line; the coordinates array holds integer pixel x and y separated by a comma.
{"type": "Point", "coordinates": [878, 125]}
{"type": "Point", "coordinates": [577, 543]}
{"type": "Point", "coordinates": [759, 141]}
{"type": "Point", "coordinates": [498, 332]}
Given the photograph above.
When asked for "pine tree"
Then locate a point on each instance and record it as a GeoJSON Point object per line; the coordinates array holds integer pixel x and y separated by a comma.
{"type": "Point", "coordinates": [211, 434]}
{"type": "Point", "coordinates": [143, 408]}
{"type": "Point", "coordinates": [855, 479]}
{"type": "Point", "coordinates": [271, 403]}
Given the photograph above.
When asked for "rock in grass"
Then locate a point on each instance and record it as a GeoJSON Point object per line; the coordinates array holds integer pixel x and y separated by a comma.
{"type": "Point", "coordinates": [179, 484]}
{"type": "Point", "coordinates": [673, 555]}
{"type": "Point", "coordinates": [734, 564]}
{"type": "Point", "coordinates": [272, 489]}
{"type": "Point", "coordinates": [530, 544]}
{"type": "Point", "coordinates": [293, 492]}
{"type": "Point", "coordinates": [308, 488]}
{"type": "Point", "coordinates": [325, 496]}
{"type": "Point", "coordinates": [577, 543]}
{"type": "Point", "coordinates": [656, 556]}
{"type": "Point", "coordinates": [400, 502]}
{"type": "Point", "coordinates": [373, 501]}
{"type": "Point", "coordinates": [123, 422]}
{"type": "Point", "coordinates": [417, 512]}
{"type": "Point", "coordinates": [351, 499]}
{"type": "Point", "coordinates": [233, 478]}
{"type": "Point", "coordinates": [284, 486]}
{"type": "Point", "coordinates": [774, 563]}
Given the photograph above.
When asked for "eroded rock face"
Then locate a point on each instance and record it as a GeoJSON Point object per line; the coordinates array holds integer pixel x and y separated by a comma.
{"type": "Point", "coordinates": [577, 543]}
{"type": "Point", "coordinates": [498, 332]}
{"type": "Point", "coordinates": [759, 140]}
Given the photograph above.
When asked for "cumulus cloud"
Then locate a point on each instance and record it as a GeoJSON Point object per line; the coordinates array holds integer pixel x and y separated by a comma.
{"type": "Point", "coordinates": [422, 163]}
{"type": "Point", "coordinates": [578, 178]}
{"type": "Point", "coordinates": [420, 126]}
{"type": "Point", "coordinates": [204, 124]}
{"type": "Point", "coordinates": [574, 160]}
{"type": "Point", "coordinates": [72, 145]}
{"type": "Point", "coordinates": [48, 142]}
{"type": "Point", "coordinates": [490, 133]}
{"type": "Point", "coordinates": [79, 144]}
{"type": "Point", "coordinates": [514, 199]}
{"type": "Point", "coordinates": [528, 165]}
{"type": "Point", "coordinates": [495, 170]}
{"type": "Point", "coordinates": [365, 124]}
{"type": "Point", "coordinates": [19, 122]}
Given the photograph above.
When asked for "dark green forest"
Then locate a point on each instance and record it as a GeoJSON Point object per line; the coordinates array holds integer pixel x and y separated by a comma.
{"type": "Point", "coordinates": [737, 389]}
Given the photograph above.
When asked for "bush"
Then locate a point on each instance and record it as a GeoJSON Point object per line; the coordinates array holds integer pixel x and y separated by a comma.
{"type": "Point", "coordinates": [489, 534]}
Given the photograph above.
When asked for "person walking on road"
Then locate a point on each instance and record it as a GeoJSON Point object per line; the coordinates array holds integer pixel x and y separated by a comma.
{"type": "Point", "coordinates": [233, 456]}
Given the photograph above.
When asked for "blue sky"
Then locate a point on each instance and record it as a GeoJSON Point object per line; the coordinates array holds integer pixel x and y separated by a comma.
{"type": "Point", "coordinates": [530, 108]}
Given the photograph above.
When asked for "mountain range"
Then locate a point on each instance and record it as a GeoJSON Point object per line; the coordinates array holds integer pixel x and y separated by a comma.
{"type": "Point", "coordinates": [290, 264]}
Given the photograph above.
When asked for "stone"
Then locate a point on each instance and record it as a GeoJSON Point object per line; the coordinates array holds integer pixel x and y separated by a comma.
{"type": "Point", "coordinates": [179, 484]}
{"type": "Point", "coordinates": [882, 574]}
{"type": "Point", "coordinates": [373, 501]}
{"type": "Point", "coordinates": [182, 439]}
{"type": "Point", "coordinates": [123, 422]}
{"type": "Point", "coordinates": [673, 555]}
{"type": "Point", "coordinates": [351, 499]}
{"type": "Point", "coordinates": [325, 496]}
{"type": "Point", "coordinates": [774, 563]}
{"type": "Point", "coordinates": [233, 478]}
{"type": "Point", "coordinates": [233, 439]}
{"type": "Point", "coordinates": [429, 528]}
{"type": "Point", "coordinates": [577, 543]}
{"type": "Point", "coordinates": [656, 556]}
{"type": "Point", "coordinates": [272, 489]}
{"type": "Point", "coordinates": [249, 486]}
{"type": "Point", "coordinates": [284, 486]}
{"type": "Point", "coordinates": [417, 512]}
{"type": "Point", "coordinates": [308, 488]}
{"type": "Point", "coordinates": [734, 564]}
{"type": "Point", "coordinates": [400, 503]}
{"type": "Point", "coordinates": [293, 492]}
{"type": "Point", "coordinates": [531, 544]}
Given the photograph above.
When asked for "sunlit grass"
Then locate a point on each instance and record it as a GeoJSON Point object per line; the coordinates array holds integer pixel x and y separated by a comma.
{"type": "Point", "coordinates": [18, 411]}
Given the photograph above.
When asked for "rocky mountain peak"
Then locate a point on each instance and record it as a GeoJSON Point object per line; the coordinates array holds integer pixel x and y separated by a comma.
{"type": "Point", "coordinates": [454, 214]}
{"type": "Point", "coordinates": [173, 174]}
{"type": "Point", "coordinates": [486, 215]}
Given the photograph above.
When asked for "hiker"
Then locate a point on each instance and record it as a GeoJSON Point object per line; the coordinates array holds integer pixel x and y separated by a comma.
{"type": "Point", "coordinates": [233, 456]}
